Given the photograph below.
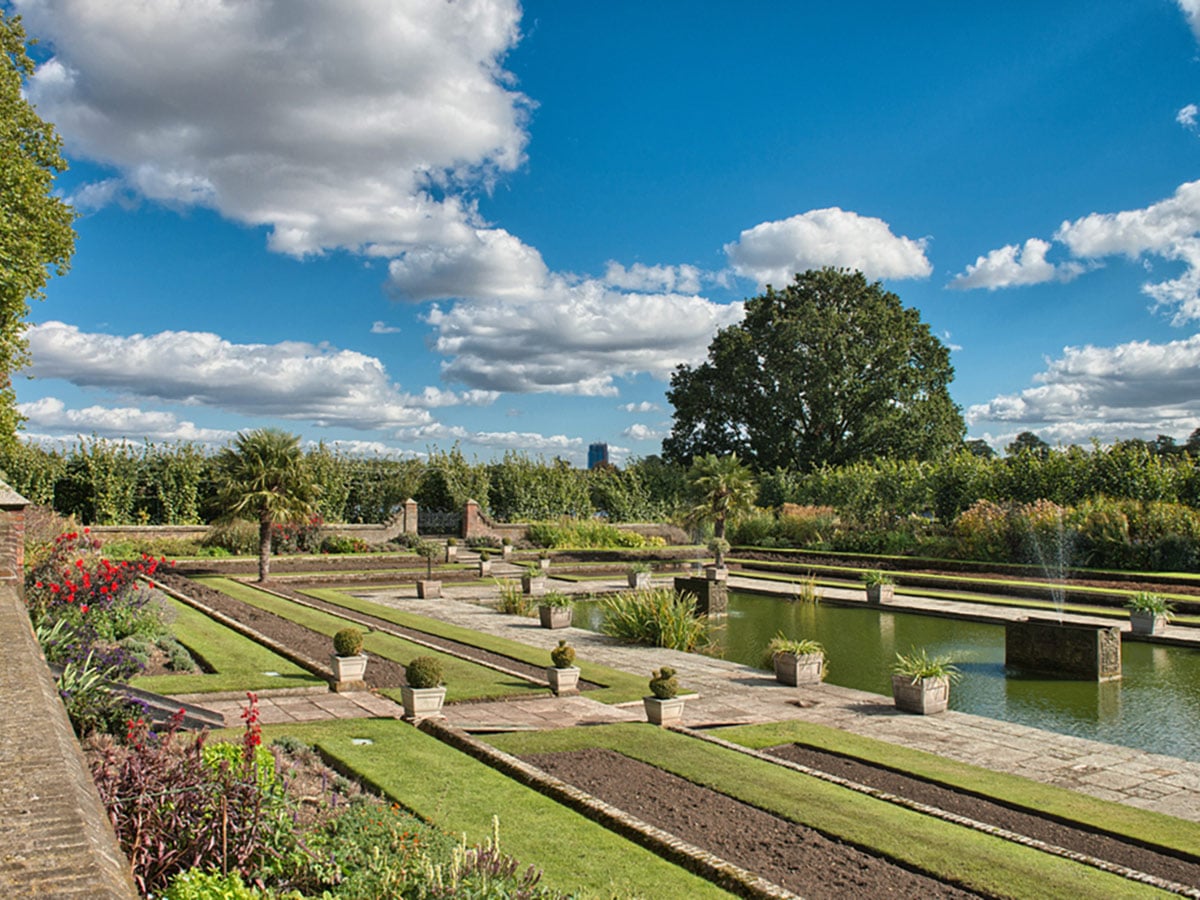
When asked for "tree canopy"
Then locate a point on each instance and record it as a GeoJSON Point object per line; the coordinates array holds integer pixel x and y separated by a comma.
{"type": "Point", "coordinates": [263, 476]}
{"type": "Point", "coordinates": [35, 226]}
{"type": "Point", "coordinates": [722, 489]}
{"type": "Point", "coordinates": [830, 370]}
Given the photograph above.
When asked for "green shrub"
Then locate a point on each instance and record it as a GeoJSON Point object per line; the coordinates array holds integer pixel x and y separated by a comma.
{"type": "Point", "coordinates": [659, 617]}
{"type": "Point", "coordinates": [423, 672]}
{"type": "Point", "coordinates": [514, 601]}
{"type": "Point", "coordinates": [582, 534]}
{"type": "Point", "coordinates": [348, 642]}
{"type": "Point", "coordinates": [197, 884]}
{"type": "Point", "coordinates": [563, 656]}
{"type": "Point", "coordinates": [663, 683]}
{"type": "Point", "coordinates": [338, 543]}
{"type": "Point", "coordinates": [239, 537]}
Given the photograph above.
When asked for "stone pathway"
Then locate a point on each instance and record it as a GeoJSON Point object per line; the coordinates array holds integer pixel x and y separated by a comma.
{"type": "Point", "coordinates": [730, 693]}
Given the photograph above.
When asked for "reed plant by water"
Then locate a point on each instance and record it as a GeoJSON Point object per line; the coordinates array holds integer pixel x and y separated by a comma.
{"type": "Point", "coordinates": [514, 601]}
{"type": "Point", "coordinates": [659, 617]}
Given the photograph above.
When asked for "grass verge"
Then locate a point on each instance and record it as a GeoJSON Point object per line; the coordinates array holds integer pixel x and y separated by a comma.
{"type": "Point", "coordinates": [1140, 825]}
{"type": "Point", "coordinates": [619, 687]}
{"type": "Point", "coordinates": [464, 680]}
{"type": "Point", "coordinates": [977, 861]}
{"type": "Point", "coordinates": [462, 794]}
{"type": "Point", "coordinates": [239, 663]}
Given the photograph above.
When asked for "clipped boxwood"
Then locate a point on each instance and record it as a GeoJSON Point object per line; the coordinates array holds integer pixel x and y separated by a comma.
{"type": "Point", "coordinates": [348, 642]}
{"type": "Point", "coordinates": [423, 672]}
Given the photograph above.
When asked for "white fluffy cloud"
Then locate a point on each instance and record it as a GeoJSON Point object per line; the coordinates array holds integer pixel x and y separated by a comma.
{"type": "Point", "coordinates": [1168, 229]}
{"type": "Point", "coordinates": [640, 277]}
{"type": "Point", "coordinates": [49, 418]}
{"type": "Point", "coordinates": [640, 432]}
{"type": "Point", "coordinates": [291, 380]}
{"type": "Point", "coordinates": [644, 407]}
{"type": "Point", "coordinates": [1012, 265]}
{"type": "Point", "coordinates": [1191, 9]}
{"type": "Point", "coordinates": [353, 125]}
{"type": "Point", "coordinates": [1187, 116]}
{"type": "Point", "coordinates": [488, 263]}
{"type": "Point", "coordinates": [1136, 389]}
{"type": "Point", "coordinates": [772, 252]}
{"type": "Point", "coordinates": [574, 338]}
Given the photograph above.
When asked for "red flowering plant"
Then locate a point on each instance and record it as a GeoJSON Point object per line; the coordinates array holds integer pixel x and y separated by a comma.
{"type": "Point", "coordinates": [83, 604]}
{"type": "Point", "coordinates": [297, 537]}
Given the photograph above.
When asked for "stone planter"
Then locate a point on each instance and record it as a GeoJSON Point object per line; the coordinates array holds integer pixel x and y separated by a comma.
{"type": "Point", "coordinates": [485, 567]}
{"type": "Point", "coordinates": [880, 593]}
{"type": "Point", "coordinates": [926, 697]}
{"type": "Point", "coordinates": [451, 553]}
{"type": "Point", "coordinates": [639, 580]}
{"type": "Point", "coordinates": [427, 589]}
{"type": "Point", "coordinates": [533, 584]}
{"type": "Point", "coordinates": [563, 681]}
{"type": "Point", "coordinates": [422, 703]}
{"type": "Point", "coordinates": [663, 712]}
{"type": "Point", "coordinates": [796, 670]}
{"type": "Point", "coordinates": [1145, 622]}
{"type": "Point", "coordinates": [506, 551]}
{"type": "Point", "coordinates": [712, 573]}
{"type": "Point", "coordinates": [544, 564]}
{"type": "Point", "coordinates": [348, 668]}
{"type": "Point", "coordinates": [554, 616]}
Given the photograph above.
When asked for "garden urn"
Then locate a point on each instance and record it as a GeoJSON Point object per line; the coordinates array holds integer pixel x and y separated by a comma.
{"type": "Point", "coordinates": [563, 680]}
{"type": "Point", "coordinates": [664, 711]}
{"type": "Point", "coordinates": [349, 668]}
{"type": "Point", "coordinates": [880, 593]}
{"type": "Point", "coordinates": [1147, 622]}
{"type": "Point", "coordinates": [798, 669]}
{"type": "Point", "coordinates": [422, 703]}
{"type": "Point", "coordinates": [639, 580]}
{"type": "Point", "coordinates": [428, 590]}
{"type": "Point", "coordinates": [554, 616]}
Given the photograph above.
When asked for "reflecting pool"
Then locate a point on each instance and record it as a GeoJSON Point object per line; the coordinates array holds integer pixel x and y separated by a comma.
{"type": "Point", "coordinates": [1156, 705]}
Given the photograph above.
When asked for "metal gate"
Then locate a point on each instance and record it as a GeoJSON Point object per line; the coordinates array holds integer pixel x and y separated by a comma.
{"type": "Point", "coordinates": [439, 521]}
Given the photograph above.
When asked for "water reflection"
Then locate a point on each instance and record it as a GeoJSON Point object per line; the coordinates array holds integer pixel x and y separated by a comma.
{"type": "Point", "coordinates": [1155, 707]}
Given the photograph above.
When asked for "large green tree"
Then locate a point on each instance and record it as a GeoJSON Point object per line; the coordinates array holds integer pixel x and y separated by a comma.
{"type": "Point", "coordinates": [36, 236]}
{"type": "Point", "coordinates": [829, 370]}
{"type": "Point", "coordinates": [264, 477]}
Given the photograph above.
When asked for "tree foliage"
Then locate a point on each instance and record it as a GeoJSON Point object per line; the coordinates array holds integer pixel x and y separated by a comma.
{"type": "Point", "coordinates": [722, 489]}
{"type": "Point", "coordinates": [263, 476]}
{"type": "Point", "coordinates": [828, 370]}
{"type": "Point", "coordinates": [35, 226]}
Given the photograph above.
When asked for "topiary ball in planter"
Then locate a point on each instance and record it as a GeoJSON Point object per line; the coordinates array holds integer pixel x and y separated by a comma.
{"type": "Point", "coordinates": [348, 642]}
{"type": "Point", "coordinates": [663, 683]}
{"type": "Point", "coordinates": [423, 672]}
{"type": "Point", "coordinates": [563, 655]}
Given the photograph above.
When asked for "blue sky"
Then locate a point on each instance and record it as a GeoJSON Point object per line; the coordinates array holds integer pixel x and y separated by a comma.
{"type": "Point", "coordinates": [398, 225]}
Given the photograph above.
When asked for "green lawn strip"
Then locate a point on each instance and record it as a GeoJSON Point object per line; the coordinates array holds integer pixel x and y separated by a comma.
{"type": "Point", "coordinates": [1141, 825]}
{"type": "Point", "coordinates": [619, 687]}
{"type": "Point", "coordinates": [951, 852]}
{"type": "Point", "coordinates": [239, 662]}
{"type": "Point", "coordinates": [464, 680]}
{"type": "Point", "coordinates": [462, 794]}
{"type": "Point", "coordinates": [989, 599]}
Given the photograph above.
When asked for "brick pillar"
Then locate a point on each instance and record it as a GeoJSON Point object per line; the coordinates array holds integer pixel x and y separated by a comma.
{"type": "Point", "coordinates": [473, 524]}
{"type": "Point", "coordinates": [12, 534]}
{"type": "Point", "coordinates": [410, 516]}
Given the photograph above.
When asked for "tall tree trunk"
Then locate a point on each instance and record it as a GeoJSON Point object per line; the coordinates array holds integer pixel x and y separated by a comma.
{"type": "Point", "coordinates": [264, 547]}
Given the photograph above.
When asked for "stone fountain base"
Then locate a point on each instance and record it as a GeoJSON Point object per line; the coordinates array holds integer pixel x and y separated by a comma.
{"type": "Point", "coordinates": [1064, 649]}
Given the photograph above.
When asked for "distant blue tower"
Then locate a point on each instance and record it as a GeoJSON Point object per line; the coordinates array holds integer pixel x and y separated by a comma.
{"type": "Point", "coordinates": [597, 455]}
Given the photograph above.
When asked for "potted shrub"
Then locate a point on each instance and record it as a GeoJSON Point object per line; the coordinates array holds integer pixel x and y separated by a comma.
{"type": "Point", "coordinates": [424, 694]}
{"type": "Point", "coordinates": [921, 683]}
{"type": "Point", "coordinates": [533, 581]}
{"type": "Point", "coordinates": [451, 550]}
{"type": "Point", "coordinates": [506, 547]}
{"type": "Point", "coordinates": [664, 706]}
{"type": "Point", "coordinates": [880, 586]}
{"type": "Point", "coordinates": [638, 575]}
{"type": "Point", "coordinates": [564, 674]}
{"type": "Point", "coordinates": [554, 611]}
{"type": "Point", "coordinates": [796, 660]}
{"type": "Point", "coordinates": [349, 662]}
{"type": "Point", "coordinates": [485, 563]}
{"type": "Point", "coordinates": [427, 587]}
{"type": "Point", "coordinates": [544, 560]}
{"type": "Point", "coordinates": [1148, 613]}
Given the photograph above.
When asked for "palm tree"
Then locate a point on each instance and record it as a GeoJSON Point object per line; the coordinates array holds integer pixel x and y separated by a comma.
{"type": "Point", "coordinates": [723, 489]}
{"type": "Point", "coordinates": [263, 476]}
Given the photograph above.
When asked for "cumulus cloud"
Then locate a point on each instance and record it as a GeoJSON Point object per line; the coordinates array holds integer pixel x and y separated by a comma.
{"type": "Point", "coordinates": [1138, 388]}
{"type": "Point", "coordinates": [49, 418]}
{"type": "Point", "coordinates": [574, 338]}
{"type": "Point", "coordinates": [291, 380]}
{"type": "Point", "coordinates": [1187, 116]}
{"type": "Point", "coordinates": [1191, 9]}
{"type": "Point", "coordinates": [345, 125]}
{"type": "Point", "coordinates": [644, 407]}
{"type": "Point", "coordinates": [640, 277]}
{"type": "Point", "coordinates": [489, 264]}
{"type": "Point", "coordinates": [378, 327]}
{"type": "Point", "coordinates": [504, 440]}
{"type": "Point", "coordinates": [772, 252]}
{"type": "Point", "coordinates": [1012, 265]}
{"type": "Point", "coordinates": [639, 432]}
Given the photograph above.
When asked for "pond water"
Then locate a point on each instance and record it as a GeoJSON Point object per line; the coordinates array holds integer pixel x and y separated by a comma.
{"type": "Point", "coordinates": [1155, 707]}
